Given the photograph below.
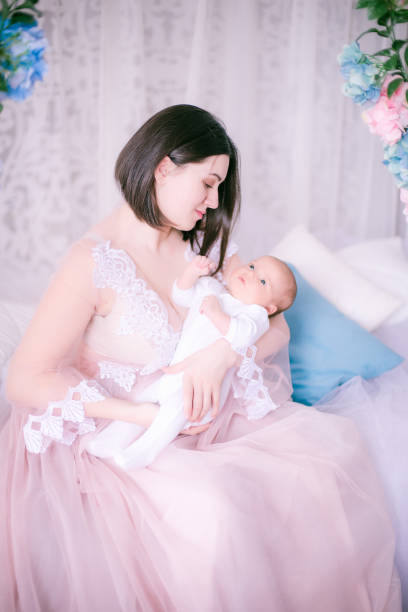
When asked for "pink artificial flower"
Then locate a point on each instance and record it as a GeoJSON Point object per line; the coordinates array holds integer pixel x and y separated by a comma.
{"type": "Point", "coordinates": [389, 116]}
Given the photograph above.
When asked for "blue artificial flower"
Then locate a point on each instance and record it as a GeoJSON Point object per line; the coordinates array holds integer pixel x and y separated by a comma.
{"type": "Point", "coordinates": [360, 73]}
{"type": "Point", "coordinates": [23, 63]}
{"type": "Point", "coordinates": [396, 159]}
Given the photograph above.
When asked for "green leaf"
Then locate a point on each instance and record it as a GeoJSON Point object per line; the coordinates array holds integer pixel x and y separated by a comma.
{"type": "Point", "coordinates": [378, 10]}
{"type": "Point", "coordinates": [406, 55]}
{"type": "Point", "coordinates": [20, 17]}
{"type": "Point", "coordinates": [1, 107]}
{"type": "Point", "coordinates": [384, 52]}
{"type": "Point", "coordinates": [3, 83]}
{"type": "Point", "coordinates": [382, 21]}
{"type": "Point", "coordinates": [391, 63]}
{"type": "Point", "coordinates": [398, 44]}
{"type": "Point", "coordinates": [383, 33]}
{"type": "Point", "coordinates": [361, 4]}
{"type": "Point", "coordinates": [393, 86]}
{"type": "Point", "coordinates": [29, 4]}
{"type": "Point", "coordinates": [406, 96]}
{"type": "Point", "coordinates": [401, 16]}
{"type": "Point", "coordinates": [4, 12]}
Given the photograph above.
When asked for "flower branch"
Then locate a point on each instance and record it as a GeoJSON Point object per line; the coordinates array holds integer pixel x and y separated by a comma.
{"type": "Point", "coordinates": [22, 46]}
{"type": "Point", "coordinates": [379, 82]}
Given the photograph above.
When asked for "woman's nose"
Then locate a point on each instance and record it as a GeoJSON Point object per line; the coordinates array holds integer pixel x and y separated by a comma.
{"type": "Point", "coordinates": [212, 199]}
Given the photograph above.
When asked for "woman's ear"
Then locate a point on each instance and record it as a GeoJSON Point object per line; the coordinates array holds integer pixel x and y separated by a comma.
{"type": "Point", "coordinates": [163, 168]}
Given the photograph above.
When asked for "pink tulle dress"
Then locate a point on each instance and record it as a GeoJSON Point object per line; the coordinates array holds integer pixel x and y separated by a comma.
{"type": "Point", "coordinates": [283, 513]}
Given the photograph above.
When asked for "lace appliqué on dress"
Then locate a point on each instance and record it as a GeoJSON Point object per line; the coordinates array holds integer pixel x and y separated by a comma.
{"type": "Point", "coordinates": [63, 420]}
{"type": "Point", "coordinates": [251, 387]}
{"type": "Point", "coordinates": [122, 375]}
{"type": "Point", "coordinates": [145, 311]}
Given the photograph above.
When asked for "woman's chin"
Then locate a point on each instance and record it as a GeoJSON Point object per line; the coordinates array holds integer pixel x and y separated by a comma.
{"type": "Point", "coordinates": [192, 225]}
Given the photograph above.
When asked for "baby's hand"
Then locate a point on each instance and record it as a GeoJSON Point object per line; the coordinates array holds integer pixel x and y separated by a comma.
{"type": "Point", "coordinates": [210, 305]}
{"type": "Point", "coordinates": [203, 265]}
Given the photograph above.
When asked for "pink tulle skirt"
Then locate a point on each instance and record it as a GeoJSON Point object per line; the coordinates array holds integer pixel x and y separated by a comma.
{"type": "Point", "coordinates": [283, 514]}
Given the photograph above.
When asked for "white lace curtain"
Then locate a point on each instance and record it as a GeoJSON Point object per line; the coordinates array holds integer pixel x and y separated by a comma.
{"type": "Point", "coordinates": [267, 68]}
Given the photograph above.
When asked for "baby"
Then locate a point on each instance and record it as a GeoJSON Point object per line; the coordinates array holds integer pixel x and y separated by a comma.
{"type": "Point", "coordinates": [239, 312]}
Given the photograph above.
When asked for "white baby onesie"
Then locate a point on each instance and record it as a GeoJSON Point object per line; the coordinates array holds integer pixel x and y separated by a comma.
{"type": "Point", "coordinates": [248, 323]}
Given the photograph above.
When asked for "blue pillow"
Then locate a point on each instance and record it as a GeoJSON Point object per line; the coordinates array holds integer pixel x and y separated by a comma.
{"type": "Point", "coordinates": [327, 348]}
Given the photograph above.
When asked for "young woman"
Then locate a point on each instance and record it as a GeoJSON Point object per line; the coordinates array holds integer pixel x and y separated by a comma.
{"type": "Point", "coordinates": [279, 513]}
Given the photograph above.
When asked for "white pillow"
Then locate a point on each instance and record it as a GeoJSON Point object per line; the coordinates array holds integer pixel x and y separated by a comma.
{"type": "Point", "coordinates": [354, 295]}
{"type": "Point", "coordinates": [384, 263]}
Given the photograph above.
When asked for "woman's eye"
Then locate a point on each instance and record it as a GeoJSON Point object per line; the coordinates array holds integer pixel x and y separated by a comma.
{"type": "Point", "coordinates": [208, 186]}
{"type": "Point", "coordinates": [251, 266]}
{"type": "Point", "coordinates": [263, 281]}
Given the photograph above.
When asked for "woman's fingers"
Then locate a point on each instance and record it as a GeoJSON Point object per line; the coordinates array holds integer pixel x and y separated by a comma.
{"type": "Point", "coordinates": [187, 397]}
{"type": "Point", "coordinates": [215, 401]}
{"type": "Point", "coordinates": [206, 404]}
{"type": "Point", "coordinates": [197, 402]}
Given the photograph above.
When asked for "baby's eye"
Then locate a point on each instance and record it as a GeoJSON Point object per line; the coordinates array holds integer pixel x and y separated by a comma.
{"type": "Point", "coordinates": [263, 281]}
{"type": "Point", "coordinates": [251, 266]}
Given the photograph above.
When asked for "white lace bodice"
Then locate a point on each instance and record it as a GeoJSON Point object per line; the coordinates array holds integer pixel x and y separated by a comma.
{"type": "Point", "coordinates": [138, 311]}
{"type": "Point", "coordinates": [137, 332]}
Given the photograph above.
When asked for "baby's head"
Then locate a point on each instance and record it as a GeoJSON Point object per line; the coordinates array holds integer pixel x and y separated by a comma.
{"type": "Point", "coordinates": [266, 281]}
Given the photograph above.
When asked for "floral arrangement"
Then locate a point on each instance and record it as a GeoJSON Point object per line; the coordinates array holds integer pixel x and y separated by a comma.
{"type": "Point", "coordinates": [22, 45]}
{"type": "Point", "coordinates": [379, 82]}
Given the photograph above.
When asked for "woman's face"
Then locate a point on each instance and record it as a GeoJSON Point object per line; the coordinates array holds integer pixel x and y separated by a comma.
{"type": "Point", "coordinates": [185, 192]}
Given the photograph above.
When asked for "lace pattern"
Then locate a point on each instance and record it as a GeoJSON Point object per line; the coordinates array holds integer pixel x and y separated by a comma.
{"type": "Point", "coordinates": [251, 387]}
{"type": "Point", "coordinates": [63, 420]}
{"type": "Point", "coordinates": [122, 375]}
{"type": "Point", "coordinates": [145, 311]}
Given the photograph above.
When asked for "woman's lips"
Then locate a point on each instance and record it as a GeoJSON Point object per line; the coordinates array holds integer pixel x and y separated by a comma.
{"type": "Point", "coordinates": [200, 214]}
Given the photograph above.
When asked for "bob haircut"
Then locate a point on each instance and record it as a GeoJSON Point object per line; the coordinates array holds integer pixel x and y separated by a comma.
{"type": "Point", "coordinates": [186, 134]}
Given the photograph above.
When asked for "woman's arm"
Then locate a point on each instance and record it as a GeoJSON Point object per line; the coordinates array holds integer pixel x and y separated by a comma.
{"type": "Point", "coordinates": [41, 370]}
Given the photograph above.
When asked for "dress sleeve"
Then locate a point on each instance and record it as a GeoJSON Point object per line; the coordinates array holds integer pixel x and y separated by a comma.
{"type": "Point", "coordinates": [263, 381]}
{"type": "Point", "coordinates": [42, 377]}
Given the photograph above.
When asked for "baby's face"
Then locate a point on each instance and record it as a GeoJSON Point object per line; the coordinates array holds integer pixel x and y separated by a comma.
{"type": "Point", "coordinates": [261, 282]}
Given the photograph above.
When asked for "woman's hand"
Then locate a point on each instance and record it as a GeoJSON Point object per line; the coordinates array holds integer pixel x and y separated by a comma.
{"type": "Point", "coordinates": [203, 373]}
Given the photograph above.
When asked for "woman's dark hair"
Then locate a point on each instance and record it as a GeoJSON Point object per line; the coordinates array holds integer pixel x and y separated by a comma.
{"type": "Point", "coordinates": [186, 134]}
